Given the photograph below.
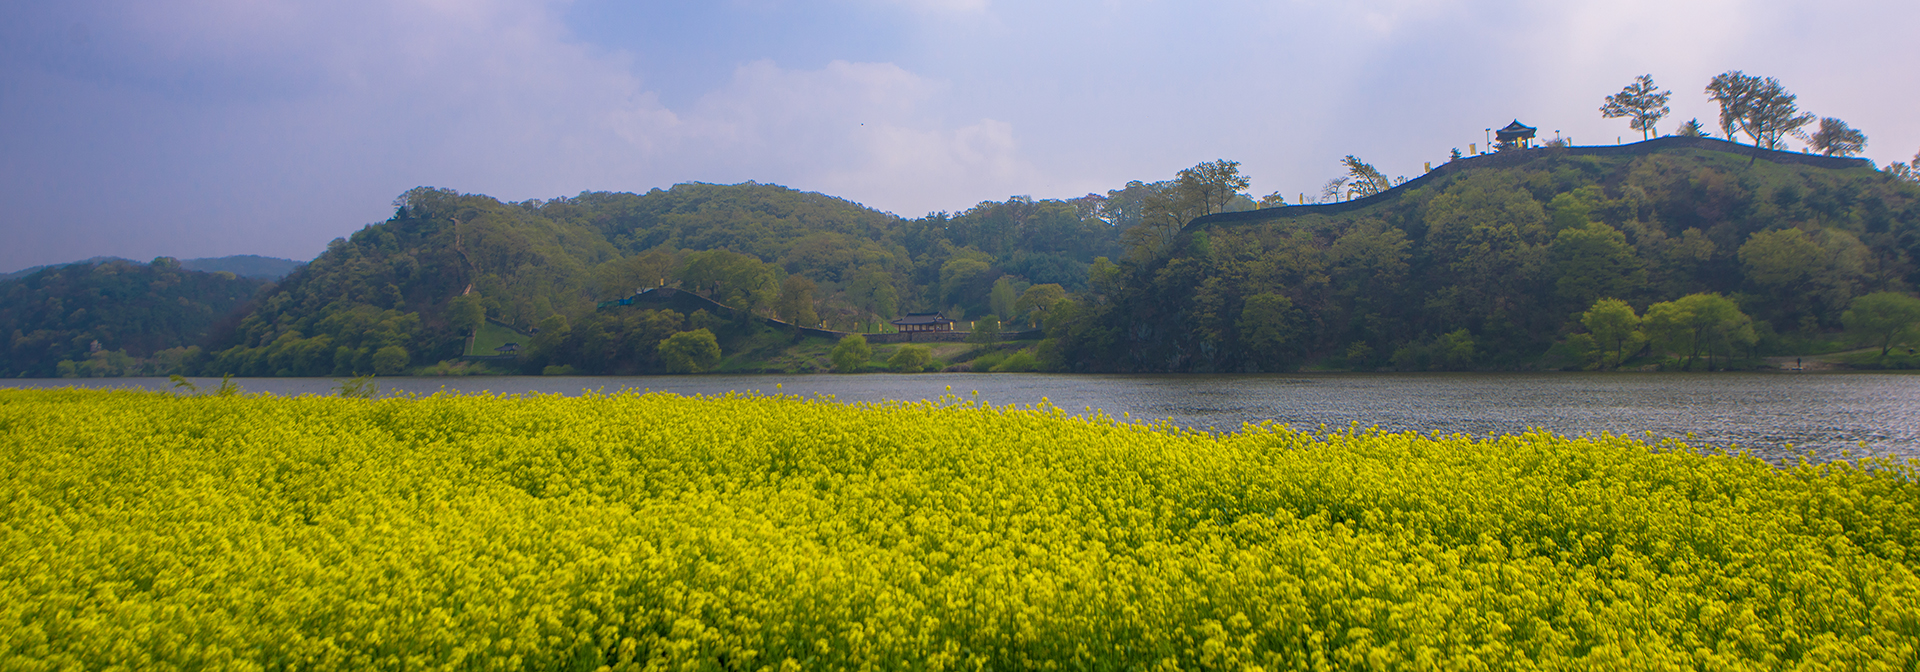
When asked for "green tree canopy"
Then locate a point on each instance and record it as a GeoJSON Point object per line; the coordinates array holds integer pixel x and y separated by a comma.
{"type": "Point", "coordinates": [1595, 261]}
{"type": "Point", "coordinates": [1003, 296]}
{"type": "Point", "coordinates": [466, 311]}
{"type": "Point", "coordinates": [391, 360]}
{"type": "Point", "coordinates": [690, 351]}
{"type": "Point", "coordinates": [1698, 324]}
{"type": "Point", "coordinates": [872, 290]}
{"type": "Point", "coordinates": [1835, 138]}
{"type": "Point", "coordinates": [795, 304]}
{"type": "Point", "coordinates": [910, 358]}
{"type": "Point", "coordinates": [1780, 259]}
{"type": "Point", "coordinates": [851, 354]}
{"type": "Point", "coordinates": [1037, 300]}
{"type": "Point", "coordinates": [1363, 179]}
{"type": "Point", "coordinates": [1270, 328]}
{"type": "Point", "coordinates": [1883, 317]}
{"type": "Point", "coordinates": [736, 280]}
{"type": "Point", "coordinates": [986, 330]}
{"type": "Point", "coordinates": [1615, 329]}
{"type": "Point", "coordinates": [1759, 107]}
{"type": "Point", "coordinates": [1642, 102]}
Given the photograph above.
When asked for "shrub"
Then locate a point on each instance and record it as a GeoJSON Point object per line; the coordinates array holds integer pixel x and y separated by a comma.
{"type": "Point", "coordinates": [690, 351]}
{"type": "Point", "coordinates": [1019, 362]}
{"type": "Point", "coordinates": [910, 358]}
{"type": "Point", "coordinates": [986, 330]}
{"type": "Point", "coordinates": [390, 360]}
{"type": "Point", "coordinates": [851, 355]}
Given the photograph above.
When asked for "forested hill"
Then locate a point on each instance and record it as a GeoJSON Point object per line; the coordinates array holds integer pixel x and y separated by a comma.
{"type": "Point", "coordinates": [113, 317]}
{"type": "Point", "coordinates": [1495, 265]}
{"type": "Point", "coordinates": [392, 287]}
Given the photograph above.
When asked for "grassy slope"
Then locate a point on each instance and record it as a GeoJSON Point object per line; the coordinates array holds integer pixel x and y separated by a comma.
{"type": "Point", "coordinates": [492, 336]}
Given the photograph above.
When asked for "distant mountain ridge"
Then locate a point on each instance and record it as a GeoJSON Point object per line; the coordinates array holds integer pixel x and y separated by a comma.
{"type": "Point", "coordinates": [243, 265]}
{"type": "Point", "coordinates": [113, 317]}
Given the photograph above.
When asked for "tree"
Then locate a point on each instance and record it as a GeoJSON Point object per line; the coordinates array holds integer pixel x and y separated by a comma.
{"type": "Point", "coordinates": [1692, 129]}
{"type": "Point", "coordinates": [965, 277]}
{"type": "Point", "coordinates": [1834, 137]}
{"type": "Point", "coordinates": [466, 312]}
{"type": "Point", "coordinates": [1905, 172]}
{"type": "Point", "coordinates": [1699, 323]}
{"type": "Point", "coordinates": [690, 351]}
{"type": "Point", "coordinates": [1104, 277]}
{"type": "Point", "coordinates": [1642, 102]}
{"type": "Point", "coordinates": [986, 330]}
{"type": "Point", "coordinates": [910, 359]}
{"type": "Point", "coordinates": [872, 291]}
{"type": "Point", "coordinates": [1615, 329]}
{"type": "Point", "coordinates": [626, 275]}
{"type": "Point", "coordinates": [738, 280]}
{"type": "Point", "coordinates": [390, 360]}
{"type": "Point", "coordinates": [549, 337]}
{"type": "Point", "coordinates": [1884, 317]}
{"type": "Point", "coordinates": [1002, 297]}
{"type": "Point", "coordinates": [1780, 259]}
{"type": "Point", "coordinates": [1455, 349]}
{"type": "Point", "coordinates": [1759, 107]}
{"type": "Point", "coordinates": [1166, 207]}
{"type": "Point", "coordinates": [1209, 187]}
{"type": "Point", "coordinates": [851, 355]}
{"type": "Point", "coordinates": [1037, 300]}
{"type": "Point", "coordinates": [795, 305]}
{"type": "Point", "coordinates": [1363, 179]}
{"type": "Point", "coordinates": [1269, 327]}
{"type": "Point", "coordinates": [1595, 260]}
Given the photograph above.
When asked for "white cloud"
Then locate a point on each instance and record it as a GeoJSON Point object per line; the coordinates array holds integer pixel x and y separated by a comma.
{"type": "Point", "coordinates": [864, 131]}
{"type": "Point", "coordinates": [942, 6]}
{"type": "Point", "coordinates": [271, 126]}
{"type": "Point", "coordinates": [268, 126]}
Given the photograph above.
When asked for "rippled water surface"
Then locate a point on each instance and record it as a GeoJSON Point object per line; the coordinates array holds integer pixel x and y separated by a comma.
{"type": "Point", "coordinates": [1766, 413]}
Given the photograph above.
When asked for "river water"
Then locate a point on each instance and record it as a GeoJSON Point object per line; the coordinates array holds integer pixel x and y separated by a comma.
{"type": "Point", "coordinates": [1774, 415]}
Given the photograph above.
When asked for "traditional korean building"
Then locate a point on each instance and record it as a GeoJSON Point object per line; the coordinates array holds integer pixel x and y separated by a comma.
{"type": "Point", "coordinates": [914, 322]}
{"type": "Point", "coordinates": [1515, 136]}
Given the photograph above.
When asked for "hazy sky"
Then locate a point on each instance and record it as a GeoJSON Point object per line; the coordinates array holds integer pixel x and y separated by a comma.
{"type": "Point", "coordinates": [196, 128]}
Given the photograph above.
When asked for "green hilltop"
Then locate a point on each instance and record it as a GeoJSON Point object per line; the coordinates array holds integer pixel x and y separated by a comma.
{"type": "Point", "coordinates": [415, 286]}
{"type": "Point", "coordinates": [1495, 263]}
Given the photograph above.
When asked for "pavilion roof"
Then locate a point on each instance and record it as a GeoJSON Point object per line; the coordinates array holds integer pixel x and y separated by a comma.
{"type": "Point", "coordinates": [1515, 130]}
{"type": "Point", "coordinates": [922, 318]}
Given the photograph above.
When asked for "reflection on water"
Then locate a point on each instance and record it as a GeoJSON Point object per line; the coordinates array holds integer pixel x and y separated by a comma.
{"type": "Point", "coordinates": [1765, 413]}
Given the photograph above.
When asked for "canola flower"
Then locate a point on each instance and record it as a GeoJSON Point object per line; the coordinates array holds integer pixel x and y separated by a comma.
{"type": "Point", "coordinates": [743, 532]}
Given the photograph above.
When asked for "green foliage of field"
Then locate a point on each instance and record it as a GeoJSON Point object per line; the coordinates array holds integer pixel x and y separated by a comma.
{"type": "Point", "coordinates": [140, 530]}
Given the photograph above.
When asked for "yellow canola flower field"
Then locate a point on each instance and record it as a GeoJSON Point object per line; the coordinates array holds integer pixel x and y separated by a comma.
{"type": "Point", "coordinates": [745, 532]}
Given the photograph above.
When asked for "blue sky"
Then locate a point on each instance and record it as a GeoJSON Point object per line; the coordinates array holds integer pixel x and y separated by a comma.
{"type": "Point", "coordinates": [199, 128]}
